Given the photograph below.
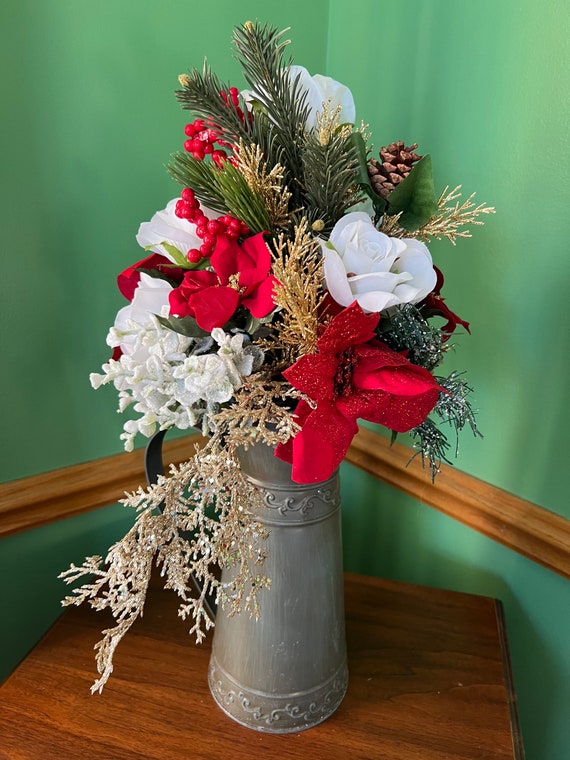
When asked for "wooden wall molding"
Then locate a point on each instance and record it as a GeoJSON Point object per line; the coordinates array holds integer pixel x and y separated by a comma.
{"type": "Point", "coordinates": [526, 528]}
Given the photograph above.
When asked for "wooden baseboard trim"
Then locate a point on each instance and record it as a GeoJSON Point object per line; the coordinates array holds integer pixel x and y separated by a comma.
{"type": "Point", "coordinates": [526, 528]}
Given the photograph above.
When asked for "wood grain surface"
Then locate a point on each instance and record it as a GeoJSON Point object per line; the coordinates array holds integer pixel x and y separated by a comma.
{"type": "Point", "coordinates": [429, 680]}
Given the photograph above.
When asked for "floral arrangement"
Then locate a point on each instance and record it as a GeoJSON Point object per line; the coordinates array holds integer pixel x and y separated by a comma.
{"type": "Point", "coordinates": [287, 292]}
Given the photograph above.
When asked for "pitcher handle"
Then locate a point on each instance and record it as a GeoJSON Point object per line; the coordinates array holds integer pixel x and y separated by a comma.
{"type": "Point", "coordinates": [153, 466]}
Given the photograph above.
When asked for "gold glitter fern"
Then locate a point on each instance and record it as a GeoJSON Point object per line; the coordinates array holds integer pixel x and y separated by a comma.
{"type": "Point", "coordinates": [269, 185]}
{"type": "Point", "coordinates": [452, 215]}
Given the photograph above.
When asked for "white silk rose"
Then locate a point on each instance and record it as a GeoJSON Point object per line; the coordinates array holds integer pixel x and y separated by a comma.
{"type": "Point", "coordinates": [364, 265]}
{"type": "Point", "coordinates": [166, 227]}
{"type": "Point", "coordinates": [320, 89]}
{"type": "Point", "coordinates": [151, 296]}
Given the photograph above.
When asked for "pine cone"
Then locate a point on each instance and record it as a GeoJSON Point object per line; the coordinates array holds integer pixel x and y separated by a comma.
{"type": "Point", "coordinates": [397, 162]}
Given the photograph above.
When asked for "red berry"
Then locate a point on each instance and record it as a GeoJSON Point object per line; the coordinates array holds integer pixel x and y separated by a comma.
{"type": "Point", "coordinates": [193, 255]}
{"type": "Point", "coordinates": [206, 249]}
{"type": "Point", "coordinates": [232, 234]}
{"type": "Point", "coordinates": [201, 230]}
{"type": "Point", "coordinates": [189, 130]}
{"type": "Point", "coordinates": [188, 144]}
{"type": "Point", "coordinates": [187, 194]}
{"type": "Point", "coordinates": [198, 125]}
{"type": "Point", "coordinates": [209, 239]}
{"type": "Point", "coordinates": [214, 227]}
{"type": "Point", "coordinates": [182, 210]}
{"type": "Point", "coordinates": [219, 156]}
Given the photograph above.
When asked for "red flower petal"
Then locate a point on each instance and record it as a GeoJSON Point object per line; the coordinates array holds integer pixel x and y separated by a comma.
{"type": "Point", "coordinates": [313, 374]}
{"type": "Point", "coordinates": [224, 259]}
{"type": "Point", "coordinates": [284, 451]}
{"type": "Point", "coordinates": [128, 280]}
{"type": "Point", "coordinates": [404, 413]}
{"type": "Point", "coordinates": [321, 444]}
{"type": "Point", "coordinates": [260, 302]}
{"type": "Point", "coordinates": [256, 248]}
{"type": "Point", "coordinates": [349, 328]}
{"type": "Point", "coordinates": [213, 307]}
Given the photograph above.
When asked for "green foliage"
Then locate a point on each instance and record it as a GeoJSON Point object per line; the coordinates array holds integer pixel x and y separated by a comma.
{"type": "Point", "coordinates": [329, 170]}
{"type": "Point", "coordinates": [363, 178]}
{"type": "Point", "coordinates": [453, 407]}
{"type": "Point", "coordinates": [184, 326]}
{"type": "Point", "coordinates": [404, 329]}
{"type": "Point", "coordinates": [260, 52]}
{"type": "Point", "coordinates": [221, 188]}
{"type": "Point", "coordinates": [415, 197]}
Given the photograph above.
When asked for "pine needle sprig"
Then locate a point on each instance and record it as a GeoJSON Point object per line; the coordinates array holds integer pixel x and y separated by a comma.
{"type": "Point", "coordinates": [453, 407]}
{"type": "Point", "coordinates": [201, 94]}
{"type": "Point", "coordinates": [222, 188]}
{"type": "Point", "coordinates": [201, 177]}
{"type": "Point", "coordinates": [330, 164]}
{"type": "Point", "coordinates": [404, 329]}
{"type": "Point", "coordinates": [284, 108]}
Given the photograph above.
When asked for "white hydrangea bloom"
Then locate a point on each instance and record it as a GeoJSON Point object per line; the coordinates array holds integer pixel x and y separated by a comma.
{"type": "Point", "coordinates": [167, 386]}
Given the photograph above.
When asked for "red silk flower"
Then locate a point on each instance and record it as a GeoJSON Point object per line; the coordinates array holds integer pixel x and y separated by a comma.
{"type": "Point", "coordinates": [128, 280]}
{"type": "Point", "coordinates": [352, 376]}
{"type": "Point", "coordinates": [434, 305]}
{"type": "Point", "coordinates": [240, 277]}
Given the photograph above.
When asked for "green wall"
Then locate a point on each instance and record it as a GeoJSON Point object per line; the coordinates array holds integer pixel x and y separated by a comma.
{"type": "Point", "coordinates": [89, 122]}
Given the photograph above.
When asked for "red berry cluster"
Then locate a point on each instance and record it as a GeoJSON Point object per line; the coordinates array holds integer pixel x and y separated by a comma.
{"type": "Point", "coordinates": [232, 98]}
{"type": "Point", "coordinates": [202, 140]}
{"type": "Point", "coordinates": [188, 207]}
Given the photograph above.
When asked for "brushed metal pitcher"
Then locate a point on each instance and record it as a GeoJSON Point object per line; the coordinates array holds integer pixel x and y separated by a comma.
{"type": "Point", "coordinates": [286, 671]}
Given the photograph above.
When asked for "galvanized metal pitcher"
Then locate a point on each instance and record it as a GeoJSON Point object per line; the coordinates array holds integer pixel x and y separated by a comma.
{"type": "Point", "coordinates": [286, 671]}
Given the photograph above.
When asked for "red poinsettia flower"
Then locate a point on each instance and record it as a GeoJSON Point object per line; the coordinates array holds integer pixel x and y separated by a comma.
{"type": "Point", "coordinates": [435, 306]}
{"type": "Point", "coordinates": [128, 280]}
{"type": "Point", "coordinates": [352, 376]}
{"type": "Point", "coordinates": [240, 276]}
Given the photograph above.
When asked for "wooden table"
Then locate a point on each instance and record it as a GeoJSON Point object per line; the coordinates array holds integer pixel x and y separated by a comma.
{"type": "Point", "coordinates": [429, 680]}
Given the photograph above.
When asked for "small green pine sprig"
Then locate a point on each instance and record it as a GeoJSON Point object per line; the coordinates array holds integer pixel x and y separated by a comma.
{"type": "Point", "coordinates": [329, 170]}
{"type": "Point", "coordinates": [405, 329]}
{"type": "Point", "coordinates": [453, 407]}
{"type": "Point", "coordinates": [223, 189]}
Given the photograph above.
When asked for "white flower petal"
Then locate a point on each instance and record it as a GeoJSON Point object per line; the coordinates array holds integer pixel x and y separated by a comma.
{"type": "Point", "coordinates": [377, 270]}
{"type": "Point", "coordinates": [336, 278]}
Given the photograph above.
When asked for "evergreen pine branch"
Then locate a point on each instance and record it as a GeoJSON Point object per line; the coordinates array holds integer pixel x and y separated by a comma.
{"type": "Point", "coordinates": [405, 329]}
{"type": "Point", "coordinates": [431, 444]}
{"type": "Point", "coordinates": [454, 407]}
{"type": "Point", "coordinates": [241, 200]}
{"type": "Point", "coordinates": [201, 94]}
{"type": "Point", "coordinates": [329, 170]}
{"type": "Point", "coordinates": [201, 177]}
{"type": "Point", "coordinates": [284, 107]}
{"type": "Point", "coordinates": [222, 188]}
